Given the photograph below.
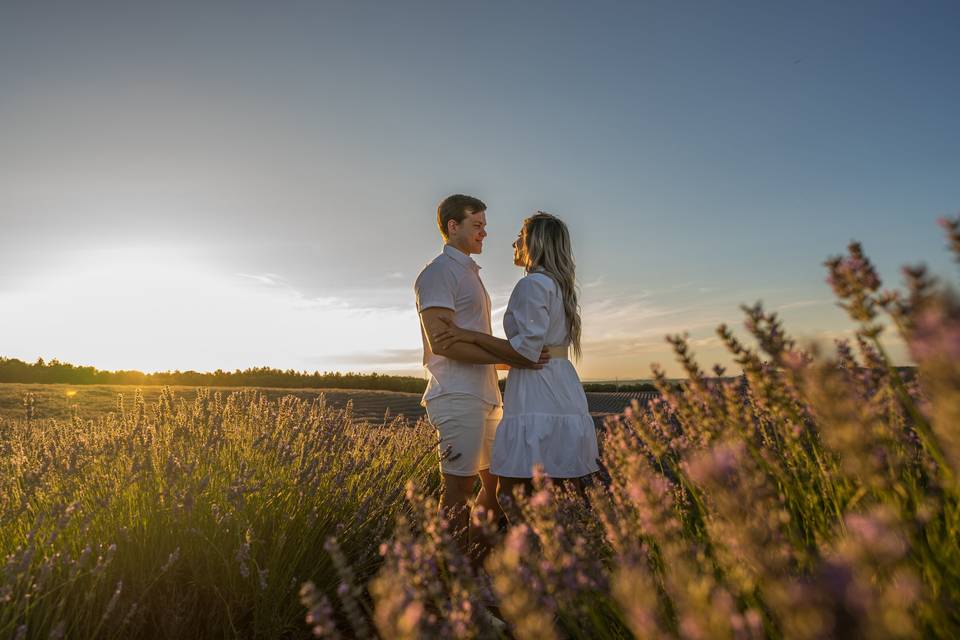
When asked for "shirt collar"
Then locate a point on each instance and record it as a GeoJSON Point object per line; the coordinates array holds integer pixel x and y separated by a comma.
{"type": "Point", "coordinates": [461, 257]}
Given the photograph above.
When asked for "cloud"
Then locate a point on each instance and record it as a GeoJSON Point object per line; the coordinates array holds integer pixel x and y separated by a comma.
{"type": "Point", "coordinates": [799, 304]}
{"type": "Point", "coordinates": [270, 279]}
{"type": "Point", "coordinates": [646, 314]}
{"type": "Point", "coordinates": [359, 299]}
{"type": "Point", "coordinates": [622, 347]}
{"type": "Point", "coordinates": [707, 342]}
{"type": "Point", "coordinates": [889, 338]}
{"type": "Point", "coordinates": [403, 359]}
{"type": "Point", "coordinates": [592, 284]}
{"type": "Point", "coordinates": [625, 331]}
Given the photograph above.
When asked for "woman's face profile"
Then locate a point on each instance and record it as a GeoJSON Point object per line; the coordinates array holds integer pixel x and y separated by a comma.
{"type": "Point", "coordinates": [520, 249]}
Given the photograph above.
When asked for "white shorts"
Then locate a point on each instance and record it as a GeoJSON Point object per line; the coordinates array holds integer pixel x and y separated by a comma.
{"type": "Point", "coordinates": [467, 426]}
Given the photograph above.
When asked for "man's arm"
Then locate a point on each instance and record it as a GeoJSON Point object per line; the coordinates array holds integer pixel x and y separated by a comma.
{"type": "Point", "coordinates": [460, 351]}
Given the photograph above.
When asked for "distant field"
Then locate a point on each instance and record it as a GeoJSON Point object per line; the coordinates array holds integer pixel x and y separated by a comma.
{"type": "Point", "coordinates": [60, 401]}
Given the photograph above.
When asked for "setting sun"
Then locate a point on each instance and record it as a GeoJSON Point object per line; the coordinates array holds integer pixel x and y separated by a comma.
{"type": "Point", "coordinates": [160, 309]}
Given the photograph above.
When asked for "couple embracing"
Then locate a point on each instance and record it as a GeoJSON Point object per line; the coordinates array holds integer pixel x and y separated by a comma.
{"type": "Point", "coordinates": [542, 419]}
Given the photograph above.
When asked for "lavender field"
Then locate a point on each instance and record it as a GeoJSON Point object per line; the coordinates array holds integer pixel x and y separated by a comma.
{"type": "Point", "coordinates": [815, 497]}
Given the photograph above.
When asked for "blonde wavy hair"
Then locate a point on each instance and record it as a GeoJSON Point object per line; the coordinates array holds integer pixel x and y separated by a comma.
{"type": "Point", "coordinates": [547, 248]}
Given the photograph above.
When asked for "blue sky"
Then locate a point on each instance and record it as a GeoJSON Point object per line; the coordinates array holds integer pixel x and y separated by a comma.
{"type": "Point", "coordinates": [203, 185]}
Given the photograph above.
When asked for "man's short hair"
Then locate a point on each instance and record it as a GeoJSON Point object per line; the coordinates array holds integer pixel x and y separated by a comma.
{"type": "Point", "coordinates": [457, 207]}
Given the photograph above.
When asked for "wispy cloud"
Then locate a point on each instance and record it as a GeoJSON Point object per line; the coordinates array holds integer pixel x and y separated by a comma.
{"type": "Point", "coordinates": [593, 284]}
{"type": "Point", "coordinates": [269, 279]}
{"type": "Point", "coordinates": [625, 330]}
{"type": "Point", "coordinates": [646, 313]}
{"type": "Point", "coordinates": [403, 359]}
{"type": "Point", "coordinates": [359, 300]}
{"type": "Point", "coordinates": [799, 304]}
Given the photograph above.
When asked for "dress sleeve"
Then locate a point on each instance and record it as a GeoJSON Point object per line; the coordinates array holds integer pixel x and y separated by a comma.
{"type": "Point", "coordinates": [530, 306]}
{"type": "Point", "coordinates": [436, 287]}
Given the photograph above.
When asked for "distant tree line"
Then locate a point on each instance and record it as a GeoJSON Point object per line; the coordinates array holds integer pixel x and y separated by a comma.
{"type": "Point", "coordinates": [56, 372]}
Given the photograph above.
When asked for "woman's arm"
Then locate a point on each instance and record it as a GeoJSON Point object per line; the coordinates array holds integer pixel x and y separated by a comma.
{"type": "Point", "coordinates": [498, 347]}
{"type": "Point", "coordinates": [438, 321]}
{"type": "Point", "coordinates": [509, 357]}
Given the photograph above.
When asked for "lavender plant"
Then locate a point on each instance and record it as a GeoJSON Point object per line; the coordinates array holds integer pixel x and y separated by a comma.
{"type": "Point", "coordinates": [815, 496]}
{"type": "Point", "coordinates": [195, 519]}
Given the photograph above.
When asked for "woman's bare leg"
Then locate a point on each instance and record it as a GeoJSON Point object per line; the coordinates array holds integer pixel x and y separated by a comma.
{"type": "Point", "coordinates": [505, 496]}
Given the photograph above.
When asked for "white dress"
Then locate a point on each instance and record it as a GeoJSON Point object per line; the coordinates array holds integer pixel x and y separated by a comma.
{"type": "Point", "coordinates": [545, 415]}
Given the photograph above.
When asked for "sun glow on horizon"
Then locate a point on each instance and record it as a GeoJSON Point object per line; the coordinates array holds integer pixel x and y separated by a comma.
{"type": "Point", "coordinates": [156, 310]}
{"type": "Point", "coordinates": [164, 309]}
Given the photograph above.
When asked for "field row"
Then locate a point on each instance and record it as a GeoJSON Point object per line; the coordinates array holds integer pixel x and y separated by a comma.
{"type": "Point", "coordinates": [61, 401]}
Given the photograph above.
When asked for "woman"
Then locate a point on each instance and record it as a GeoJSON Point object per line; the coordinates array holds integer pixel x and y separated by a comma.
{"type": "Point", "coordinates": [546, 421]}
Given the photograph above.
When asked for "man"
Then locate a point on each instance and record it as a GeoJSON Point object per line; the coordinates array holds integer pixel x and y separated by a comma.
{"type": "Point", "coordinates": [462, 398]}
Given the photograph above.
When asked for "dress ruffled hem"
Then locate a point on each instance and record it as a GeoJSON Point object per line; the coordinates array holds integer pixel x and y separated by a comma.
{"type": "Point", "coordinates": [564, 445]}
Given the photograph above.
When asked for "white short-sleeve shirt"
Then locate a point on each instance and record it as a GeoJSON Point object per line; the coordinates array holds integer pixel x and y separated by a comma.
{"type": "Point", "coordinates": [452, 281]}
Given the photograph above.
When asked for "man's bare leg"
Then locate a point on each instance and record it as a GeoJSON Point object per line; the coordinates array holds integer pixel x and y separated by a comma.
{"type": "Point", "coordinates": [480, 543]}
{"type": "Point", "coordinates": [454, 496]}
{"type": "Point", "coordinates": [488, 493]}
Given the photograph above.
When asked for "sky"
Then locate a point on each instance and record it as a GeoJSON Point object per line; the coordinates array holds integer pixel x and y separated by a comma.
{"type": "Point", "coordinates": [205, 185]}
